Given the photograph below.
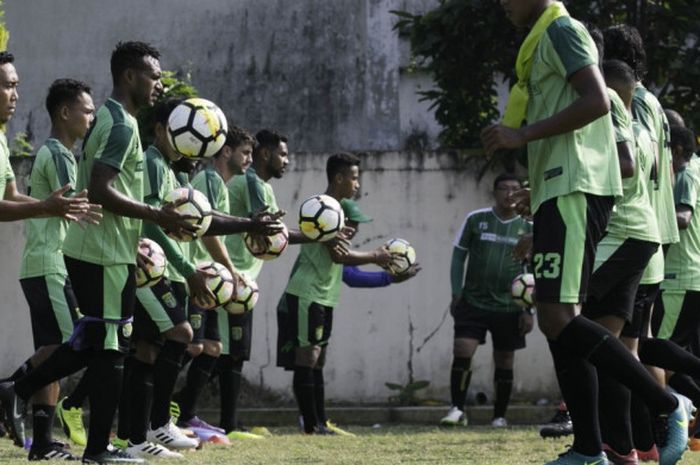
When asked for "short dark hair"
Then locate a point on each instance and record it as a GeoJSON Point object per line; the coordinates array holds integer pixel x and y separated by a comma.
{"type": "Point", "coordinates": [129, 55]}
{"type": "Point", "coordinates": [339, 162]}
{"type": "Point", "coordinates": [237, 136]}
{"type": "Point", "coordinates": [64, 91]}
{"type": "Point", "coordinates": [597, 36]}
{"type": "Point", "coordinates": [623, 42]}
{"type": "Point", "coordinates": [685, 138]}
{"type": "Point", "coordinates": [506, 177]}
{"type": "Point", "coordinates": [163, 108]}
{"type": "Point", "coordinates": [618, 70]}
{"type": "Point", "coordinates": [267, 139]}
{"type": "Point", "coordinates": [6, 57]}
{"type": "Point", "coordinates": [674, 118]}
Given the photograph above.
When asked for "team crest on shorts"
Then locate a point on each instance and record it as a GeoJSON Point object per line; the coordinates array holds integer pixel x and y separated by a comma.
{"type": "Point", "coordinates": [127, 329]}
{"type": "Point", "coordinates": [196, 321]}
{"type": "Point", "coordinates": [236, 333]}
{"type": "Point", "coordinates": [169, 300]}
{"type": "Point", "coordinates": [319, 332]}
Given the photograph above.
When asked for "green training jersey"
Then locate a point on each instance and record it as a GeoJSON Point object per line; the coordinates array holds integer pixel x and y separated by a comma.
{"type": "Point", "coordinates": [648, 111]}
{"type": "Point", "coordinates": [160, 180]}
{"type": "Point", "coordinates": [682, 270]}
{"type": "Point", "coordinates": [315, 276]}
{"type": "Point", "coordinates": [209, 183]}
{"type": "Point", "coordinates": [645, 149]}
{"type": "Point", "coordinates": [632, 217]}
{"type": "Point", "coordinates": [491, 268]}
{"type": "Point", "coordinates": [113, 140]}
{"type": "Point", "coordinates": [247, 193]}
{"type": "Point", "coordinates": [54, 167]}
{"type": "Point", "coordinates": [582, 160]}
{"type": "Point", "coordinates": [6, 173]}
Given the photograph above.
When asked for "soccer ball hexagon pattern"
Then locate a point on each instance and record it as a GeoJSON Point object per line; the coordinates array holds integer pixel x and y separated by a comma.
{"type": "Point", "coordinates": [321, 217]}
{"type": "Point", "coordinates": [148, 274]}
{"type": "Point", "coordinates": [196, 205]}
{"type": "Point", "coordinates": [403, 255]}
{"type": "Point", "coordinates": [267, 247]}
{"type": "Point", "coordinates": [197, 128]}
{"type": "Point", "coordinates": [245, 296]}
{"type": "Point", "coordinates": [522, 289]}
{"type": "Point", "coordinates": [220, 283]}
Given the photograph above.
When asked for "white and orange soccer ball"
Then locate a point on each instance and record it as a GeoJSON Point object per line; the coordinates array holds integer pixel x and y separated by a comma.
{"type": "Point", "coordinates": [321, 218]}
{"type": "Point", "coordinates": [220, 283]}
{"type": "Point", "coordinates": [148, 274]}
{"type": "Point", "coordinates": [267, 247]}
{"type": "Point", "coordinates": [196, 205]}
{"type": "Point", "coordinates": [244, 297]}
{"type": "Point", "coordinates": [522, 289]}
{"type": "Point", "coordinates": [197, 128]}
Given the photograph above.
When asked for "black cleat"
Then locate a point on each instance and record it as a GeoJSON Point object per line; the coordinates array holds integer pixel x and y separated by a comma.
{"type": "Point", "coordinates": [112, 455]}
{"type": "Point", "coordinates": [54, 451]}
{"type": "Point", "coordinates": [14, 412]}
{"type": "Point", "coordinates": [560, 425]}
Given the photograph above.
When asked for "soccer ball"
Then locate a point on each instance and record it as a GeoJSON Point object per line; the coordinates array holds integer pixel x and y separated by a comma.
{"type": "Point", "coordinates": [197, 128]}
{"type": "Point", "coordinates": [245, 296]}
{"type": "Point", "coordinates": [321, 218]}
{"type": "Point", "coordinates": [221, 285]}
{"type": "Point", "coordinates": [522, 289]}
{"type": "Point", "coordinates": [403, 255]}
{"type": "Point", "coordinates": [267, 247]}
{"type": "Point", "coordinates": [149, 274]}
{"type": "Point", "coordinates": [196, 205]}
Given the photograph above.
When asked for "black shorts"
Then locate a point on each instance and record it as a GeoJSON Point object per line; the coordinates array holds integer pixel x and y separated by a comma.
{"type": "Point", "coordinates": [473, 323]}
{"type": "Point", "coordinates": [300, 323]}
{"type": "Point", "coordinates": [641, 314]}
{"type": "Point", "coordinates": [566, 231]}
{"type": "Point", "coordinates": [205, 324]}
{"type": "Point", "coordinates": [158, 309]}
{"type": "Point", "coordinates": [52, 307]}
{"type": "Point", "coordinates": [236, 333]}
{"type": "Point", "coordinates": [620, 264]}
{"type": "Point", "coordinates": [679, 313]}
{"type": "Point", "coordinates": [105, 293]}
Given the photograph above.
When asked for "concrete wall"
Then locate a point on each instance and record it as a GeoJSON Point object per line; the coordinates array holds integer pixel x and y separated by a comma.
{"type": "Point", "coordinates": [379, 334]}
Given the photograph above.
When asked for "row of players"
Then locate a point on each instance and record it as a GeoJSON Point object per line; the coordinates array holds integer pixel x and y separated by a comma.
{"type": "Point", "coordinates": [79, 281]}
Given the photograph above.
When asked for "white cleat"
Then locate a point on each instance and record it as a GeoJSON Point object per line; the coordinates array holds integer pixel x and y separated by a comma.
{"type": "Point", "coordinates": [171, 437]}
{"type": "Point", "coordinates": [454, 417]}
{"type": "Point", "coordinates": [499, 422]}
{"type": "Point", "coordinates": [147, 450]}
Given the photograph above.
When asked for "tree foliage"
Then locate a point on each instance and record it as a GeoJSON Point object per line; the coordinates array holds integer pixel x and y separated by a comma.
{"type": "Point", "coordinates": [466, 45]}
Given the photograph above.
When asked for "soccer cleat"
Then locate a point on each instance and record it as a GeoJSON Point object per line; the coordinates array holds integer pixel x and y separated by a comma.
{"type": "Point", "coordinates": [330, 426]}
{"type": "Point", "coordinates": [196, 422]}
{"type": "Point", "coordinates": [112, 456]}
{"type": "Point", "coordinates": [170, 436]}
{"type": "Point", "coordinates": [119, 443]}
{"type": "Point", "coordinates": [570, 457]}
{"type": "Point", "coordinates": [454, 417]}
{"type": "Point", "coordinates": [54, 451]}
{"type": "Point", "coordinates": [72, 422]}
{"type": "Point", "coordinates": [676, 440]}
{"type": "Point", "coordinates": [631, 458]}
{"type": "Point", "coordinates": [14, 410]}
{"type": "Point", "coordinates": [499, 422]}
{"type": "Point", "coordinates": [651, 455]}
{"type": "Point", "coordinates": [236, 435]}
{"type": "Point", "coordinates": [147, 450]}
{"type": "Point", "coordinates": [559, 425]}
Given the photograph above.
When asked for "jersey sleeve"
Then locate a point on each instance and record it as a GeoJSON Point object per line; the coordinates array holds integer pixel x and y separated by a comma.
{"type": "Point", "coordinates": [620, 119]}
{"type": "Point", "coordinates": [685, 192]}
{"type": "Point", "coordinates": [644, 114]}
{"type": "Point", "coordinates": [153, 181]}
{"type": "Point", "coordinates": [572, 47]}
{"type": "Point", "coordinates": [464, 235]}
{"type": "Point", "coordinates": [117, 146]}
{"type": "Point", "coordinates": [60, 175]}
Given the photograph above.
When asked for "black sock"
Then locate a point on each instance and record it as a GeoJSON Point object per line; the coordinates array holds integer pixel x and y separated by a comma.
{"type": "Point", "coordinates": [668, 355]}
{"type": "Point", "coordinates": [320, 396]}
{"type": "Point", "coordinates": [123, 415]}
{"type": "Point", "coordinates": [303, 385]}
{"type": "Point", "coordinates": [76, 399]}
{"type": "Point", "coordinates": [686, 385]}
{"type": "Point", "coordinates": [594, 343]}
{"type": "Point", "coordinates": [139, 392]}
{"type": "Point", "coordinates": [62, 362]}
{"type": "Point", "coordinates": [614, 407]}
{"type": "Point", "coordinates": [578, 381]}
{"type": "Point", "coordinates": [23, 369]}
{"type": "Point", "coordinates": [106, 371]}
{"type": "Point", "coordinates": [165, 372]}
{"type": "Point", "coordinates": [197, 377]}
{"type": "Point", "coordinates": [460, 376]}
{"type": "Point", "coordinates": [641, 425]}
{"type": "Point", "coordinates": [229, 386]}
{"type": "Point", "coordinates": [42, 418]}
{"type": "Point", "coordinates": [503, 381]}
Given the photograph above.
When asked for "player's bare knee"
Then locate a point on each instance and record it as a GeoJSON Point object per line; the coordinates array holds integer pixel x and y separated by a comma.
{"type": "Point", "coordinates": [307, 356]}
{"type": "Point", "coordinates": [181, 332]}
{"type": "Point", "coordinates": [212, 348]}
{"type": "Point", "coordinates": [195, 349]}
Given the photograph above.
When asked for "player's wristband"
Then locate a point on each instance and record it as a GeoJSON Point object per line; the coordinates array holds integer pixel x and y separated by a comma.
{"type": "Point", "coordinates": [529, 310]}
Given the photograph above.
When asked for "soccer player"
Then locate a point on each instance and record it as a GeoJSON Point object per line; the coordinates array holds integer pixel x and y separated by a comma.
{"type": "Point", "coordinates": [482, 302]}
{"type": "Point", "coordinates": [575, 177]}
{"type": "Point", "coordinates": [305, 311]}
{"type": "Point", "coordinates": [43, 274]}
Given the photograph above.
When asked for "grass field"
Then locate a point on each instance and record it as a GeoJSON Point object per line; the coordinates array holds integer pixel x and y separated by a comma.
{"type": "Point", "coordinates": [386, 445]}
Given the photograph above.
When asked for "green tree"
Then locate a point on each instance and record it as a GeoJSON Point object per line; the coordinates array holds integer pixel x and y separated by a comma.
{"type": "Point", "coordinates": [466, 45]}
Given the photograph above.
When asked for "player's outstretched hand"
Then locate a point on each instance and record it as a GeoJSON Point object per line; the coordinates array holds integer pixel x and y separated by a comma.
{"type": "Point", "coordinates": [67, 207]}
{"type": "Point", "coordinates": [497, 136]}
{"type": "Point", "coordinates": [382, 256]}
{"type": "Point", "coordinates": [526, 323]}
{"type": "Point", "coordinates": [523, 249]}
{"type": "Point", "coordinates": [199, 292]}
{"type": "Point", "coordinates": [339, 245]}
{"type": "Point", "coordinates": [92, 216]}
{"type": "Point", "coordinates": [171, 220]}
{"type": "Point", "coordinates": [406, 275]}
{"type": "Point", "coordinates": [521, 202]}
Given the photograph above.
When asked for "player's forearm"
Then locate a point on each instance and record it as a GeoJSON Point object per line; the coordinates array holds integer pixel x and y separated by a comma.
{"type": "Point", "coordinates": [217, 251]}
{"type": "Point", "coordinates": [296, 237]}
{"type": "Point", "coordinates": [354, 277]}
{"type": "Point", "coordinates": [115, 202]}
{"type": "Point", "coordinates": [172, 251]}
{"type": "Point", "coordinates": [355, 258]}
{"type": "Point", "coordinates": [11, 210]}
{"type": "Point", "coordinates": [222, 224]}
{"type": "Point", "coordinates": [457, 270]}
